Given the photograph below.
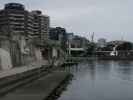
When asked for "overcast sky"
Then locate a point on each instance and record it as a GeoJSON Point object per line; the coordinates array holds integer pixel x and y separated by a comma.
{"type": "Point", "coordinates": [111, 19]}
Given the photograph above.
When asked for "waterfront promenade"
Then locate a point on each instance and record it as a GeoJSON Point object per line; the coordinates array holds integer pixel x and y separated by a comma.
{"type": "Point", "coordinates": [35, 81]}
{"type": "Point", "coordinates": [21, 69]}
{"type": "Point", "coordinates": [40, 89]}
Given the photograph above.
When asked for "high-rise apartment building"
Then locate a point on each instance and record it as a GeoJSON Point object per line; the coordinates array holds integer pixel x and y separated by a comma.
{"type": "Point", "coordinates": [41, 25]}
{"type": "Point", "coordinates": [12, 19]}
{"type": "Point", "coordinates": [19, 30]}
{"type": "Point", "coordinates": [16, 21]}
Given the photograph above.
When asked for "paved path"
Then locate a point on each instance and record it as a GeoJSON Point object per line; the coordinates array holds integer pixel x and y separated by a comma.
{"type": "Point", "coordinates": [16, 70]}
{"type": "Point", "coordinates": [39, 89]}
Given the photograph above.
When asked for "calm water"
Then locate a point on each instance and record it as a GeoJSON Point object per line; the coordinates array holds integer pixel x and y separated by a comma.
{"type": "Point", "coordinates": [100, 80]}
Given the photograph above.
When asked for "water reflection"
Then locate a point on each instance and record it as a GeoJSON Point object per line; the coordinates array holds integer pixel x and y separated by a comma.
{"type": "Point", "coordinates": [125, 70]}
{"type": "Point", "coordinates": [92, 69]}
{"type": "Point", "coordinates": [100, 80]}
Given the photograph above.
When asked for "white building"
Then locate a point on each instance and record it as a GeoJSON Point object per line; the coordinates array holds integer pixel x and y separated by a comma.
{"type": "Point", "coordinates": [101, 42]}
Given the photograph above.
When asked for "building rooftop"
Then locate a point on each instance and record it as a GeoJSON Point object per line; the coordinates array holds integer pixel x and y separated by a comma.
{"type": "Point", "coordinates": [16, 6]}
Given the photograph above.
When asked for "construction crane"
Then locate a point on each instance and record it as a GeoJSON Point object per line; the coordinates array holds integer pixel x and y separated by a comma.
{"type": "Point", "coordinates": [92, 37]}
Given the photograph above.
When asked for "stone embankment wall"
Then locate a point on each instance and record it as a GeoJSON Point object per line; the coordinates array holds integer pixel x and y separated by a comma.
{"type": "Point", "coordinates": [5, 59]}
{"type": "Point", "coordinates": [15, 53]}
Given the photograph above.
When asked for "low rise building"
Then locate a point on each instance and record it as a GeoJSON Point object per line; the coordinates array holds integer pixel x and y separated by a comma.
{"type": "Point", "coordinates": [76, 45]}
{"type": "Point", "coordinates": [59, 34]}
{"type": "Point", "coordinates": [101, 42]}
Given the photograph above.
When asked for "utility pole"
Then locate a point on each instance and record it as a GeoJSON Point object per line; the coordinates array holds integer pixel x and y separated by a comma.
{"type": "Point", "coordinates": [122, 37]}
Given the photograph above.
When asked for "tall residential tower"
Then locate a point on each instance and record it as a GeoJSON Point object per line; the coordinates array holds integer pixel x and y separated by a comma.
{"type": "Point", "coordinates": [16, 21]}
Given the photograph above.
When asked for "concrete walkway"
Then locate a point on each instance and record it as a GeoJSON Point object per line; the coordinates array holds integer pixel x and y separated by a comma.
{"type": "Point", "coordinates": [39, 89]}
{"type": "Point", "coordinates": [17, 70]}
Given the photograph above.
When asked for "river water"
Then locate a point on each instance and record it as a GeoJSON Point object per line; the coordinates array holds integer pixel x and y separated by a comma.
{"type": "Point", "coordinates": [100, 80]}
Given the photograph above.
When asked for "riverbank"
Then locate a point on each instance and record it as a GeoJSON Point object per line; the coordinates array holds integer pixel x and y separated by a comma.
{"type": "Point", "coordinates": [22, 69]}
{"type": "Point", "coordinates": [40, 89]}
{"type": "Point", "coordinates": [17, 77]}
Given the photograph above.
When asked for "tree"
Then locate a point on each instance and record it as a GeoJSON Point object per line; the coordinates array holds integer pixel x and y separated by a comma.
{"type": "Point", "coordinates": [91, 49]}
